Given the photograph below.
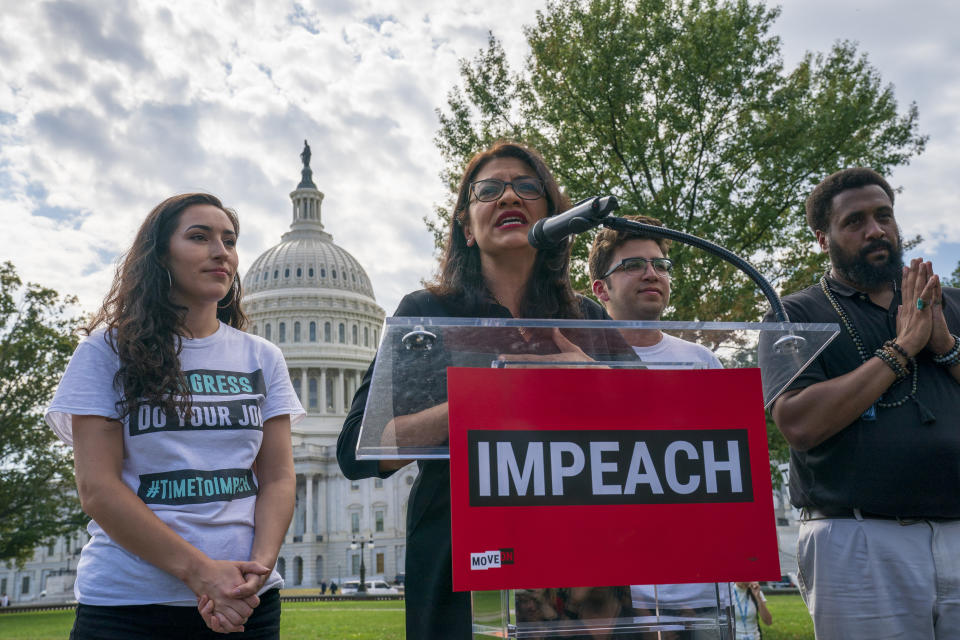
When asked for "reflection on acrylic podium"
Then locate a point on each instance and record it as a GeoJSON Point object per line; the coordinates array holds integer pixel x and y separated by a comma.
{"type": "Point", "coordinates": [644, 612]}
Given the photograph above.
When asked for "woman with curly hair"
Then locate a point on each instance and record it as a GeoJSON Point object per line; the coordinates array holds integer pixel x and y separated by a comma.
{"type": "Point", "coordinates": [488, 270]}
{"type": "Point", "coordinates": [180, 425]}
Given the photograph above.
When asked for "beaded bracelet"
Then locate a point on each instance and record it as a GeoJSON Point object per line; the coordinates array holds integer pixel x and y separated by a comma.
{"type": "Point", "coordinates": [951, 357]}
{"type": "Point", "coordinates": [887, 355]}
{"type": "Point", "coordinates": [893, 345]}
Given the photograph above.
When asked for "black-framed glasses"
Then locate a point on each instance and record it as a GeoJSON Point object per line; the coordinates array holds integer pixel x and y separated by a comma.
{"type": "Point", "coordinates": [490, 189]}
{"type": "Point", "coordinates": [662, 266]}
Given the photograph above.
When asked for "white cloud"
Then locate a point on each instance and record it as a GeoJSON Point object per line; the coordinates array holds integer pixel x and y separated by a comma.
{"type": "Point", "coordinates": [116, 106]}
{"type": "Point", "coordinates": [915, 48]}
{"type": "Point", "coordinates": [105, 109]}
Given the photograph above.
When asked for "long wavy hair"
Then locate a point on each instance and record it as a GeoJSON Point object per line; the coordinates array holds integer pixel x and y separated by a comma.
{"type": "Point", "coordinates": [548, 293]}
{"type": "Point", "coordinates": [143, 326]}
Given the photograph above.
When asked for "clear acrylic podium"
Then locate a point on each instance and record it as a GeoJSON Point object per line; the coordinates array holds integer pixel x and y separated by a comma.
{"type": "Point", "coordinates": [410, 376]}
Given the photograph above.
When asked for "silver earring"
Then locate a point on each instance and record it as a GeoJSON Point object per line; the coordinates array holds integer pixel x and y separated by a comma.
{"type": "Point", "coordinates": [169, 278]}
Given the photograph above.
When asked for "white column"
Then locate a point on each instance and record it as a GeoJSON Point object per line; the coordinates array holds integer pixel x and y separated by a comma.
{"type": "Point", "coordinates": [338, 393]}
{"type": "Point", "coordinates": [308, 527]}
{"type": "Point", "coordinates": [322, 391]}
{"type": "Point", "coordinates": [304, 398]}
{"type": "Point", "coordinates": [322, 527]}
{"type": "Point", "coordinates": [397, 504]}
{"type": "Point", "coordinates": [332, 375]}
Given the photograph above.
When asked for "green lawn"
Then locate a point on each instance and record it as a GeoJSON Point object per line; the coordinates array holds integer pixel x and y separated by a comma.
{"type": "Point", "coordinates": [349, 620]}
{"type": "Point", "coordinates": [342, 620]}
{"type": "Point", "coordinates": [36, 626]}
{"type": "Point", "coordinates": [376, 620]}
{"type": "Point", "coordinates": [790, 619]}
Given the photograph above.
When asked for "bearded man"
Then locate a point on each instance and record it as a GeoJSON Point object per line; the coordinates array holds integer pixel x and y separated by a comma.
{"type": "Point", "coordinates": [874, 427]}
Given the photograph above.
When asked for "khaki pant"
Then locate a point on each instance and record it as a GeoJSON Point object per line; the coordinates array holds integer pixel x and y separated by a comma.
{"type": "Point", "coordinates": [881, 579]}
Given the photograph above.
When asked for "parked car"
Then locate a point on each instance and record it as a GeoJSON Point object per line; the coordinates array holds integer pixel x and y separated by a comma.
{"type": "Point", "coordinates": [349, 586]}
{"type": "Point", "coordinates": [375, 587]}
{"type": "Point", "coordinates": [787, 581]}
{"type": "Point", "coordinates": [380, 587]}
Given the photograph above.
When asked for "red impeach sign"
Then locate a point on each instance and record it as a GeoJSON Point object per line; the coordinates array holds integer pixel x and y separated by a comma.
{"type": "Point", "coordinates": [583, 477]}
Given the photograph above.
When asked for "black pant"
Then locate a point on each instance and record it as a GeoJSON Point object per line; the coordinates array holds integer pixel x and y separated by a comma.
{"type": "Point", "coordinates": [162, 622]}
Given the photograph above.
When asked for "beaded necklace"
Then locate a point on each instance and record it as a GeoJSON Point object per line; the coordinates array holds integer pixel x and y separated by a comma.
{"type": "Point", "coordinates": [925, 415]}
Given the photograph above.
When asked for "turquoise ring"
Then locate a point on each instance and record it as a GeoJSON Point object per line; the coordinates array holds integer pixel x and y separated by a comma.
{"type": "Point", "coordinates": [921, 304]}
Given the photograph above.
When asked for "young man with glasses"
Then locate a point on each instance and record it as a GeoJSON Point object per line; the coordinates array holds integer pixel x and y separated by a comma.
{"type": "Point", "coordinates": [631, 278]}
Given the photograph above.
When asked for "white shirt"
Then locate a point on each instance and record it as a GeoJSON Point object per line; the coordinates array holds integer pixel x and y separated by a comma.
{"type": "Point", "coordinates": [674, 353]}
{"type": "Point", "coordinates": [194, 470]}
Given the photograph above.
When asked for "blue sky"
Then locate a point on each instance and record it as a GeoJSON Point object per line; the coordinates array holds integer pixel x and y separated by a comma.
{"type": "Point", "coordinates": [108, 107]}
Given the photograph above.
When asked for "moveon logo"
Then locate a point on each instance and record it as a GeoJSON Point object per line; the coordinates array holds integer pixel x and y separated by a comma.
{"type": "Point", "coordinates": [490, 559]}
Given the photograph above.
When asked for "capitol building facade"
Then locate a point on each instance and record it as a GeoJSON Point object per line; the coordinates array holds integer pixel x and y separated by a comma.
{"type": "Point", "coordinates": [312, 299]}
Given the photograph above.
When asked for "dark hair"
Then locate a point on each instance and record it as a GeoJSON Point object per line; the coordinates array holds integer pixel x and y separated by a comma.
{"type": "Point", "coordinates": [607, 241]}
{"type": "Point", "coordinates": [821, 198]}
{"type": "Point", "coordinates": [548, 293]}
{"type": "Point", "coordinates": [142, 324]}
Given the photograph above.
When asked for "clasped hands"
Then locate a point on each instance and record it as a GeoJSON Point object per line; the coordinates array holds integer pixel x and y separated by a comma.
{"type": "Point", "coordinates": [227, 592]}
{"type": "Point", "coordinates": [922, 326]}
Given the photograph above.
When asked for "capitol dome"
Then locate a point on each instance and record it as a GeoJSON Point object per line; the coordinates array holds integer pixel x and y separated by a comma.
{"type": "Point", "coordinates": [315, 301]}
{"type": "Point", "coordinates": [308, 262]}
{"type": "Point", "coordinates": [306, 256]}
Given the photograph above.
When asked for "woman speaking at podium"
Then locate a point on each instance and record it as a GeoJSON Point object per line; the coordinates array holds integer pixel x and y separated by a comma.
{"type": "Point", "coordinates": [488, 270]}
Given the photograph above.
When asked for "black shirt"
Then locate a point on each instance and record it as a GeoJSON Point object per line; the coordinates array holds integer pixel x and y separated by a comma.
{"type": "Point", "coordinates": [895, 464]}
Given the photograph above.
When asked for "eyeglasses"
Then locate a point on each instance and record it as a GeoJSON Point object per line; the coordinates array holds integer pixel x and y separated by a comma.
{"type": "Point", "coordinates": [490, 189]}
{"type": "Point", "coordinates": [662, 266]}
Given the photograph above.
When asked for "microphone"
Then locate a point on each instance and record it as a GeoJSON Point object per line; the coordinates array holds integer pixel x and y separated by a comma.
{"type": "Point", "coordinates": [584, 215]}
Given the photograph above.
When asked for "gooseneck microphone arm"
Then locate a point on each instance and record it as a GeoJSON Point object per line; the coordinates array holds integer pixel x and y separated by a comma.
{"type": "Point", "coordinates": [597, 211]}
{"type": "Point", "coordinates": [622, 224]}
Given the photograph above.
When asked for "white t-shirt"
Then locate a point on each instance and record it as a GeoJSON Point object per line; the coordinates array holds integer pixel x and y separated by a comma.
{"type": "Point", "coordinates": [674, 353]}
{"type": "Point", "coordinates": [194, 471]}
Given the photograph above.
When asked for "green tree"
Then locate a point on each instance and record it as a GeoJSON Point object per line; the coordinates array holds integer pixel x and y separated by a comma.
{"type": "Point", "coordinates": [37, 490]}
{"type": "Point", "coordinates": [684, 111]}
{"type": "Point", "coordinates": [954, 279]}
